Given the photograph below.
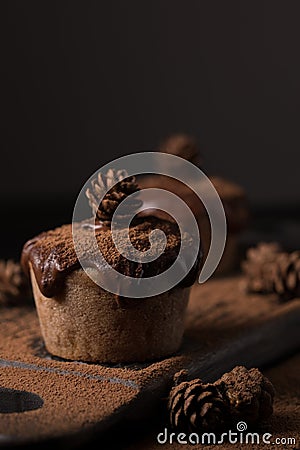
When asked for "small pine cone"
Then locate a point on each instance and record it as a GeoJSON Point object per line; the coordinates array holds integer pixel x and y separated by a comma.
{"type": "Point", "coordinates": [14, 286]}
{"type": "Point", "coordinates": [257, 265]}
{"type": "Point", "coordinates": [182, 145]}
{"type": "Point", "coordinates": [249, 394]}
{"type": "Point", "coordinates": [194, 405]}
{"type": "Point", "coordinates": [285, 275]}
{"type": "Point", "coordinates": [269, 270]}
{"type": "Point", "coordinates": [112, 188]}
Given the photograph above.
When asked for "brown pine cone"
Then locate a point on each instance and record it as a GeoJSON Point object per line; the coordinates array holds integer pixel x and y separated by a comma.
{"type": "Point", "coordinates": [256, 267]}
{"type": "Point", "coordinates": [249, 394]}
{"type": "Point", "coordinates": [116, 185]}
{"type": "Point", "coordinates": [180, 377]}
{"type": "Point", "coordinates": [14, 286]}
{"type": "Point", "coordinates": [269, 270]}
{"type": "Point", "coordinates": [285, 275]}
{"type": "Point", "coordinates": [184, 146]}
{"type": "Point", "coordinates": [194, 405]}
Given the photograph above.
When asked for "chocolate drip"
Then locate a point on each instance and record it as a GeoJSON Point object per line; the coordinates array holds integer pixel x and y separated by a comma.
{"type": "Point", "coordinates": [52, 254]}
{"type": "Point", "coordinates": [49, 272]}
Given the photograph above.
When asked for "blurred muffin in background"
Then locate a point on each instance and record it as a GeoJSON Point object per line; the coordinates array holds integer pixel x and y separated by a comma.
{"type": "Point", "coordinates": [232, 195]}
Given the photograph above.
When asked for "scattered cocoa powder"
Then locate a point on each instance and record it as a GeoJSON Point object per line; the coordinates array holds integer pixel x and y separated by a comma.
{"type": "Point", "coordinates": [78, 396]}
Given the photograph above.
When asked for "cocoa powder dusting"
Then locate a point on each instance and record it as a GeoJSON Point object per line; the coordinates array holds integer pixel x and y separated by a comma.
{"type": "Point", "coordinates": [75, 395]}
{"type": "Point", "coordinates": [52, 253]}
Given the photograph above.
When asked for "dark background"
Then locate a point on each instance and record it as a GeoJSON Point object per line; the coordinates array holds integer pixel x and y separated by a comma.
{"type": "Point", "coordinates": [85, 82]}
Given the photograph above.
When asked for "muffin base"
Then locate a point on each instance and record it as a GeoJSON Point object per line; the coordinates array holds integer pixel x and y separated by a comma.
{"type": "Point", "coordinates": [85, 322]}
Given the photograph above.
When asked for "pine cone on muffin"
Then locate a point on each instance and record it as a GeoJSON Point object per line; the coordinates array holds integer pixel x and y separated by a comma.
{"type": "Point", "coordinates": [248, 393]}
{"type": "Point", "coordinates": [270, 270]}
{"type": "Point", "coordinates": [14, 286]}
{"type": "Point", "coordinates": [194, 405]}
{"type": "Point", "coordinates": [108, 191]}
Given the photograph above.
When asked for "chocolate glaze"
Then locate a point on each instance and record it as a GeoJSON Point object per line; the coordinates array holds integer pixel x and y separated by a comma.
{"type": "Point", "coordinates": [52, 254]}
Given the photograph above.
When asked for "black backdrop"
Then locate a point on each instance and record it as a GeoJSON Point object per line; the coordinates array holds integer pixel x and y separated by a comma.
{"type": "Point", "coordinates": [83, 82]}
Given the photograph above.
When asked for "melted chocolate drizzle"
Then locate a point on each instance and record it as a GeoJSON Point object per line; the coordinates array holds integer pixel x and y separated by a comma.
{"type": "Point", "coordinates": [52, 255]}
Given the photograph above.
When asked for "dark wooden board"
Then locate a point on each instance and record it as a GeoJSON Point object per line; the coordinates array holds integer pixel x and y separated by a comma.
{"type": "Point", "coordinates": [225, 327]}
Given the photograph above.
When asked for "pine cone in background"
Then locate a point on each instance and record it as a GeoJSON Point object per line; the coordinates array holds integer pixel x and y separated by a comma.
{"type": "Point", "coordinates": [270, 270]}
{"type": "Point", "coordinates": [285, 275]}
{"type": "Point", "coordinates": [257, 266]}
{"type": "Point", "coordinates": [238, 395]}
{"type": "Point", "coordinates": [184, 146]}
{"type": "Point", "coordinates": [249, 394]}
{"type": "Point", "coordinates": [14, 286]}
{"type": "Point", "coordinates": [117, 185]}
{"type": "Point", "coordinates": [194, 405]}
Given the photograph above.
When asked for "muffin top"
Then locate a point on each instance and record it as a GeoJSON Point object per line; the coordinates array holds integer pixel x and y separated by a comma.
{"type": "Point", "coordinates": [52, 254]}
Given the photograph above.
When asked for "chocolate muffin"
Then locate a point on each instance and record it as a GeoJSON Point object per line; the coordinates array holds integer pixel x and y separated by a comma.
{"type": "Point", "coordinates": [82, 321]}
